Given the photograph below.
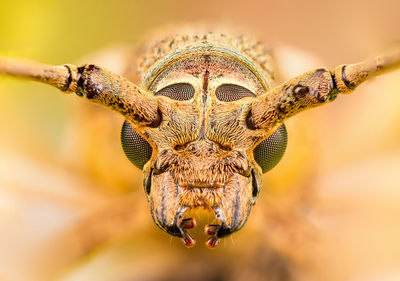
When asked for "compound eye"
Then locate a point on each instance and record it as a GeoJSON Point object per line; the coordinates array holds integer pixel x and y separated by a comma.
{"type": "Point", "coordinates": [179, 91]}
{"type": "Point", "coordinates": [232, 92]}
{"type": "Point", "coordinates": [270, 151]}
{"type": "Point", "coordinates": [136, 148]}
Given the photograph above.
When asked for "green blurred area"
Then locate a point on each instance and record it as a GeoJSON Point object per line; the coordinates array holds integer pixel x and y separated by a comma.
{"type": "Point", "coordinates": [62, 31]}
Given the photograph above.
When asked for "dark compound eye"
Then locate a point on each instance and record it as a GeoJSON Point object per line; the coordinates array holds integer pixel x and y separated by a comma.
{"type": "Point", "coordinates": [270, 151]}
{"type": "Point", "coordinates": [231, 92]}
{"type": "Point", "coordinates": [179, 91]}
{"type": "Point", "coordinates": [136, 148]}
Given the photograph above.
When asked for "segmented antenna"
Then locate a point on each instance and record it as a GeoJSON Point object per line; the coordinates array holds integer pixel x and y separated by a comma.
{"type": "Point", "coordinates": [60, 77]}
{"type": "Point", "coordinates": [92, 82]}
{"type": "Point", "coordinates": [314, 88]}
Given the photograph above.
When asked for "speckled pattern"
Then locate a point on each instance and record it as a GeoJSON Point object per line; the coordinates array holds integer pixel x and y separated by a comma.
{"type": "Point", "coordinates": [159, 46]}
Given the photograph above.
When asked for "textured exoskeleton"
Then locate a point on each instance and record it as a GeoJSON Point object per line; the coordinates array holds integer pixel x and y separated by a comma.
{"type": "Point", "coordinates": [206, 120]}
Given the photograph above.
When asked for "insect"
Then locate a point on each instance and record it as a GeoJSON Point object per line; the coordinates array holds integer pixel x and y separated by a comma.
{"type": "Point", "coordinates": [205, 121]}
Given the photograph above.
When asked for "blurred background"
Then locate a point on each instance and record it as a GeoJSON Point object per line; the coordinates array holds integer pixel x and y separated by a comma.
{"type": "Point", "coordinates": [72, 207]}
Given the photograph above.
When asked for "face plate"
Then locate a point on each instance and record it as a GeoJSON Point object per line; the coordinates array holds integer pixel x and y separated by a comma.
{"type": "Point", "coordinates": [202, 149]}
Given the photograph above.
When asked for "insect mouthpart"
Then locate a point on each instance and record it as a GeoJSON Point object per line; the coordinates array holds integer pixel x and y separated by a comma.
{"type": "Point", "coordinates": [222, 186]}
{"type": "Point", "coordinates": [214, 230]}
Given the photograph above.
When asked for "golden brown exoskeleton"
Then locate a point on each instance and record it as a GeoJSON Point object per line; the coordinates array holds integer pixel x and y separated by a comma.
{"type": "Point", "coordinates": [205, 121]}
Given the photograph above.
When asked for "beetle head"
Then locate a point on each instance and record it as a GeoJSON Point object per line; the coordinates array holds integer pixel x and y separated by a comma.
{"type": "Point", "coordinates": [201, 152]}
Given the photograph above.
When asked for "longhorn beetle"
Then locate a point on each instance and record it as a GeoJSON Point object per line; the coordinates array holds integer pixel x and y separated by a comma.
{"type": "Point", "coordinates": [206, 121]}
